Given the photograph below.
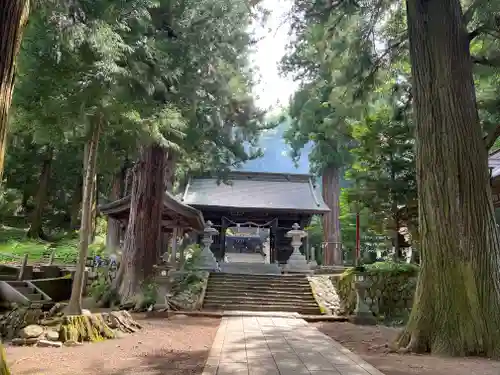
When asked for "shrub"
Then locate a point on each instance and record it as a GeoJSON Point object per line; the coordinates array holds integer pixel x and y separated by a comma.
{"type": "Point", "coordinates": [390, 293]}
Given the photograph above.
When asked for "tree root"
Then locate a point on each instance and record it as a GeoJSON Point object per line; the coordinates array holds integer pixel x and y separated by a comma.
{"type": "Point", "coordinates": [96, 327]}
{"type": "Point", "coordinates": [122, 321]}
{"type": "Point", "coordinates": [80, 328]}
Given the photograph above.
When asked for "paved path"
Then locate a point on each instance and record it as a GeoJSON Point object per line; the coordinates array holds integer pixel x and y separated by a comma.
{"type": "Point", "coordinates": [279, 345]}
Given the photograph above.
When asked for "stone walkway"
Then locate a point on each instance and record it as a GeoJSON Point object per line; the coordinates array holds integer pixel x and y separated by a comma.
{"type": "Point", "coordinates": [282, 344]}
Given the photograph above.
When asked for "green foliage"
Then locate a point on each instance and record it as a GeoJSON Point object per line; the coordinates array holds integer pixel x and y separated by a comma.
{"type": "Point", "coordinates": [391, 290]}
{"type": "Point", "coordinates": [149, 291]}
{"type": "Point", "coordinates": [172, 72]}
{"type": "Point", "coordinates": [14, 245]}
{"type": "Point", "coordinates": [192, 255]}
{"type": "Point", "coordinates": [100, 286]}
{"type": "Point", "coordinates": [354, 106]}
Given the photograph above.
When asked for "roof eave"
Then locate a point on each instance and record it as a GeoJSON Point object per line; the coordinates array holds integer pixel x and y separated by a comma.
{"type": "Point", "coordinates": [191, 214]}
{"type": "Point", "coordinates": [312, 211]}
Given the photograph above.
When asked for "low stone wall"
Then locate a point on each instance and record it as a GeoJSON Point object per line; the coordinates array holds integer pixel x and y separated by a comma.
{"type": "Point", "coordinates": [391, 291]}
{"type": "Point", "coordinates": [325, 294]}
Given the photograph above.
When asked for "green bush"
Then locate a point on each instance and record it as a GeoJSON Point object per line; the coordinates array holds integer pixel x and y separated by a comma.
{"type": "Point", "coordinates": [390, 293]}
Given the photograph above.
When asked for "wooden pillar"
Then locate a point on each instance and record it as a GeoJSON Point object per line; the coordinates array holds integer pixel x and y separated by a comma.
{"type": "Point", "coordinates": [173, 257]}
{"type": "Point", "coordinates": [306, 249]}
{"type": "Point", "coordinates": [273, 232]}
{"type": "Point", "coordinates": [185, 238]}
{"type": "Point", "coordinates": [222, 237]}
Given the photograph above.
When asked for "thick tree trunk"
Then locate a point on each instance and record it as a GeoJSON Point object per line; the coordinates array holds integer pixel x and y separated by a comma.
{"type": "Point", "coordinates": [113, 230]}
{"type": "Point", "coordinates": [25, 199]}
{"type": "Point", "coordinates": [457, 300]}
{"type": "Point", "coordinates": [143, 240]}
{"type": "Point", "coordinates": [36, 230]}
{"type": "Point", "coordinates": [75, 303]}
{"type": "Point", "coordinates": [13, 19]}
{"type": "Point", "coordinates": [331, 221]}
{"type": "Point", "coordinates": [76, 202]}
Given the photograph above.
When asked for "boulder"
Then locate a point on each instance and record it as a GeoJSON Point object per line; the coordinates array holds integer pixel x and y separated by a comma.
{"type": "Point", "coordinates": [31, 331]}
{"type": "Point", "coordinates": [52, 335]}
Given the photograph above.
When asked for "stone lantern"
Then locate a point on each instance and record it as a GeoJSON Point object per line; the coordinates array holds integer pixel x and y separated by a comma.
{"type": "Point", "coordinates": [362, 314]}
{"type": "Point", "coordinates": [207, 259]}
{"type": "Point", "coordinates": [297, 262]}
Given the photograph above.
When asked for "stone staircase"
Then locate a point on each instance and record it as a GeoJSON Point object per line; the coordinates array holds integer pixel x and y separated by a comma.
{"type": "Point", "coordinates": [250, 268]}
{"type": "Point", "coordinates": [279, 293]}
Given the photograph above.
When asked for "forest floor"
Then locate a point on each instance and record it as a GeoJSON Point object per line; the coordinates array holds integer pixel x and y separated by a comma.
{"type": "Point", "coordinates": [175, 346]}
{"type": "Point", "coordinates": [371, 343]}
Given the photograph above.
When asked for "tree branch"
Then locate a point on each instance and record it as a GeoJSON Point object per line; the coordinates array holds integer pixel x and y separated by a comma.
{"type": "Point", "coordinates": [491, 138]}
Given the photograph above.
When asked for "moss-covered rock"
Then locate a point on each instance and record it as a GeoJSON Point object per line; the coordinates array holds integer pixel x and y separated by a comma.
{"type": "Point", "coordinates": [390, 293]}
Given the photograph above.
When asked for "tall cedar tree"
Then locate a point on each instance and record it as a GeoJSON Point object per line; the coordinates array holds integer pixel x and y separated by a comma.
{"type": "Point", "coordinates": [13, 19]}
{"type": "Point", "coordinates": [458, 293]}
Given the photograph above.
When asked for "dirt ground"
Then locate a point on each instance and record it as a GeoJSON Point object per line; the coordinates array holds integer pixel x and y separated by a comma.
{"type": "Point", "coordinates": [176, 346]}
{"type": "Point", "coordinates": [370, 343]}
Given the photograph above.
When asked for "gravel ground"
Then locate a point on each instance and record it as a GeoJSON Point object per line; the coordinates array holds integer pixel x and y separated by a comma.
{"type": "Point", "coordinates": [176, 346]}
{"type": "Point", "coordinates": [370, 343]}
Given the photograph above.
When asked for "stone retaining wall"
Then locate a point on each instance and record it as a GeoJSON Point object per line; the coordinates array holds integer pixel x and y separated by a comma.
{"type": "Point", "coordinates": [390, 294]}
{"type": "Point", "coordinates": [325, 294]}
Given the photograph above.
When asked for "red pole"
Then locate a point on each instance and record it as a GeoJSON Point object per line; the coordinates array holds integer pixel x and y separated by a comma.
{"type": "Point", "coordinates": [357, 238]}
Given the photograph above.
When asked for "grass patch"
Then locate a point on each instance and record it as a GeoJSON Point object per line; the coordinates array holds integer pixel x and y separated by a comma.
{"type": "Point", "coordinates": [14, 244]}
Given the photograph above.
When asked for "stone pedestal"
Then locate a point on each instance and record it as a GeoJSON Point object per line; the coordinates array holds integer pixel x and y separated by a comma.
{"type": "Point", "coordinates": [162, 282]}
{"type": "Point", "coordinates": [297, 262]}
{"type": "Point", "coordinates": [362, 314]}
{"type": "Point", "coordinates": [207, 261]}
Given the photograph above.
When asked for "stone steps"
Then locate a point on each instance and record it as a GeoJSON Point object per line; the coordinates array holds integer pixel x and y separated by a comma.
{"type": "Point", "coordinates": [304, 310]}
{"type": "Point", "coordinates": [247, 268]}
{"type": "Point", "coordinates": [233, 276]}
{"type": "Point", "coordinates": [252, 291]}
{"type": "Point", "coordinates": [279, 293]}
{"type": "Point", "coordinates": [242, 298]}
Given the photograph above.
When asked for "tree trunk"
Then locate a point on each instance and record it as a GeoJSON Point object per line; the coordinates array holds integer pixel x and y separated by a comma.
{"type": "Point", "coordinates": [394, 211]}
{"type": "Point", "coordinates": [93, 217]}
{"type": "Point", "coordinates": [142, 239]}
{"type": "Point", "coordinates": [397, 244]}
{"type": "Point", "coordinates": [36, 230]}
{"type": "Point", "coordinates": [25, 199]}
{"type": "Point", "coordinates": [113, 230]}
{"type": "Point", "coordinates": [76, 202]}
{"type": "Point", "coordinates": [170, 171]}
{"type": "Point", "coordinates": [457, 300]}
{"type": "Point", "coordinates": [331, 221]}
{"type": "Point", "coordinates": [75, 303]}
{"type": "Point", "coordinates": [13, 19]}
